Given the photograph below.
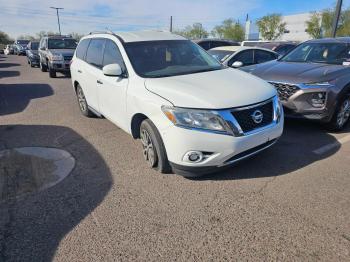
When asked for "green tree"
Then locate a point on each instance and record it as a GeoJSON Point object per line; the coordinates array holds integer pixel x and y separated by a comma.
{"type": "Point", "coordinates": [313, 26]}
{"type": "Point", "coordinates": [5, 38]}
{"type": "Point", "coordinates": [271, 26]}
{"type": "Point", "coordinates": [327, 22]}
{"type": "Point", "coordinates": [195, 31]}
{"type": "Point", "coordinates": [229, 29]}
{"type": "Point", "coordinates": [27, 37]}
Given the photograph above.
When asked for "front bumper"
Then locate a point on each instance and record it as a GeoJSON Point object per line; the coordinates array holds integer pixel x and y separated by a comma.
{"type": "Point", "coordinates": [60, 66]}
{"type": "Point", "coordinates": [298, 104]}
{"type": "Point", "coordinates": [222, 150]}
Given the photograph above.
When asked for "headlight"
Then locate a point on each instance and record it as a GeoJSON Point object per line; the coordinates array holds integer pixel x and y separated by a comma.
{"type": "Point", "coordinates": [318, 84]}
{"type": "Point", "coordinates": [58, 57]}
{"type": "Point", "coordinates": [198, 119]}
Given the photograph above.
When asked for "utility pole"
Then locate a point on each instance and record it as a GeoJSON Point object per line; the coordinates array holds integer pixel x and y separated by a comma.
{"type": "Point", "coordinates": [171, 24]}
{"type": "Point", "coordinates": [58, 17]}
{"type": "Point", "coordinates": [336, 17]}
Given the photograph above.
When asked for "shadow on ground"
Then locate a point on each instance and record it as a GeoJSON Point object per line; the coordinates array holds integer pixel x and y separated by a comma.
{"type": "Point", "coordinates": [32, 227]}
{"type": "Point", "coordinates": [6, 65]}
{"type": "Point", "coordinates": [14, 98]}
{"type": "Point", "coordinates": [293, 151]}
{"type": "Point", "coordinates": [5, 74]}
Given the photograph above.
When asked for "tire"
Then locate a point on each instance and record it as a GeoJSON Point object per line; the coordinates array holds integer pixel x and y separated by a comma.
{"type": "Point", "coordinates": [83, 105]}
{"type": "Point", "coordinates": [28, 62]}
{"type": "Point", "coordinates": [153, 148]}
{"type": "Point", "coordinates": [31, 64]}
{"type": "Point", "coordinates": [341, 115]}
{"type": "Point", "coordinates": [43, 67]}
{"type": "Point", "coordinates": [52, 73]}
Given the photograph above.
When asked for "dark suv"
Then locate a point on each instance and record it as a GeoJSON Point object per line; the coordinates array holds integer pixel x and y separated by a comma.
{"type": "Point", "coordinates": [313, 80]}
{"type": "Point", "coordinates": [55, 53]}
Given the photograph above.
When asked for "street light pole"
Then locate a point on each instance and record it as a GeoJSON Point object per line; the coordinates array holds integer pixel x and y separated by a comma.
{"type": "Point", "coordinates": [58, 17]}
{"type": "Point", "coordinates": [336, 17]}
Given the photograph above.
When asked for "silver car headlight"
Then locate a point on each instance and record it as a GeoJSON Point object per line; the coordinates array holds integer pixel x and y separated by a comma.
{"type": "Point", "coordinates": [197, 119]}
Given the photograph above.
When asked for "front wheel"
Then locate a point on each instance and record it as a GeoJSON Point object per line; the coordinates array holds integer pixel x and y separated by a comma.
{"type": "Point", "coordinates": [341, 115]}
{"type": "Point", "coordinates": [83, 105]}
{"type": "Point", "coordinates": [52, 73]}
{"type": "Point", "coordinates": [153, 148]}
{"type": "Point", "coordinates": [43, 67]}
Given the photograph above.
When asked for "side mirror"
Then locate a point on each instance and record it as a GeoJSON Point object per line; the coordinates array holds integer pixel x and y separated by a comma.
{"type": "Point", "coordinates": [112, 70]}
{"type": "Point", "coordinates": [237, 64]}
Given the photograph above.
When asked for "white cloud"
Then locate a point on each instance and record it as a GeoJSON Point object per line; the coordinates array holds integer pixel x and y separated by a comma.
{"type": "Point", "coordinates": [29, 16]}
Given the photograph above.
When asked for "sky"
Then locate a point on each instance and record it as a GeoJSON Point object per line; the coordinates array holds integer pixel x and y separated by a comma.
{"type": "Point", "coordinates": [19, 17]}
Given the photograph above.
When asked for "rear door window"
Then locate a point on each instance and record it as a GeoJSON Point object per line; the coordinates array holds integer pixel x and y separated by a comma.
{"type": "Point", "coordinates": [81, 49]}
{"type": "Point", "coordinates": [94, 54]}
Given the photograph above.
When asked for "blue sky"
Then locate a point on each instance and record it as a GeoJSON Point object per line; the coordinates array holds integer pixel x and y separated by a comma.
{"type": "Point", "coordinates": [82, 16]}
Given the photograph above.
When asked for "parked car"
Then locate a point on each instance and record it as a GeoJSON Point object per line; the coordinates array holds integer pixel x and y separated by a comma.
{"type": "Point", "coordinates": [33, 53]}
{"type": "Point", "coordinates": [207, 44]}
{"type": "Point", "coordinates": [191, 113]}
{"type": "Point", "coordinates": [280, 47]}
{"type": "Point", "coordinates": [9, 50]}
{"type": "Point", "coordinates": [20, 47]}
{"type": "Point", "coordinates": [239, 56]}
{"type": "Point", "coordinates": [313, 80]}
{"type": "Point", "coordinates": [2, 48]}
{"type": "Point", "coordinates": [55, 53]}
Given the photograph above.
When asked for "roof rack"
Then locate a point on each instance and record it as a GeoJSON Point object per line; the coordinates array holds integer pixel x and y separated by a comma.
{"type": "Point", "coordinates": [102, 32]}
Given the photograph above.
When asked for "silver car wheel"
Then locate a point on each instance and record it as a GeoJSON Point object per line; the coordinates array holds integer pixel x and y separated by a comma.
{"type": "Point", "coordinates": [81, 100]}
{"type": "Point", "coordinates": [148, 148]}
{"type": "Point", "coordinates": [344, 113]}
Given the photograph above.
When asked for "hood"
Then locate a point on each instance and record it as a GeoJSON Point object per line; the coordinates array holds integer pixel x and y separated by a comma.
{"type": "Point", "coordinates": [212, 90]}
{"type": "Point", "coordinates": [292, 72]}
{"type": "Point", "coordinates": [64, 52]}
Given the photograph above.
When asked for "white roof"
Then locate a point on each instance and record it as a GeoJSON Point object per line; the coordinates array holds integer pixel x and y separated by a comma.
{"type": "Point", "coordinates": [148, 36]}
{"type": "Point", "coordinates": [238, 48]}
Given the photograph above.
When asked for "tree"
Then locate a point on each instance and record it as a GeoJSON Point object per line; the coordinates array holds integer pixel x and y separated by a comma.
{"type": "Point", "coordinates": [313, 26]}
{"type": "Point", "coordinates": [271, 26]}
{"type": "Point", "coordinates": [229, 29]}
{"type": "Point", "coordinates": [196, 31]}
{"type": "Point", "coordinates": [76, 36]}
{"type": "Point", "coordinates": [5, 38]}
{"type": "Point", "coordinates": [26, 37]}
{"type": "Point", "coordinates": [327, 22]}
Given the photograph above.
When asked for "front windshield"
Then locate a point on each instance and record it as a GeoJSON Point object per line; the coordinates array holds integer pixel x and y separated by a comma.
{"type": "Point", "coordinates": [220, 55]}
{"type": "Point", "coordinates": [34, 45]}
{"type": "Point", "coordinates": [63, 43]}
{"type": "Point", "coordinates": [152, 59]}
{"type": "Point", "coordinates": [327, 53]}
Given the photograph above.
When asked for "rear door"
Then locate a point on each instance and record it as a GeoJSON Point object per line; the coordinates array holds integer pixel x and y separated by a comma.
{"type": "Point", "coordinates": [112, 90]}
{"type": "Point", "coordinates": [92, 71]}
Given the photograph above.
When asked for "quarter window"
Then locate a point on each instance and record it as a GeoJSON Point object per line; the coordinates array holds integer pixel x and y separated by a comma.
{"type": "Point", "coordinates": [82, 47]}
{"type": "Point", "coordinates": [94, 53]}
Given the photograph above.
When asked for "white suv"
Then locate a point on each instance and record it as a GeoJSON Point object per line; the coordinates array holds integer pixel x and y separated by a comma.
{"type": "Point", "coordinates": [191, 113]}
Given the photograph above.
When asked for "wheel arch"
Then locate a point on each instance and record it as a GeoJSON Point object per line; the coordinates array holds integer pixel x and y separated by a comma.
{"type": "Point", "coordinates": [136, 123]}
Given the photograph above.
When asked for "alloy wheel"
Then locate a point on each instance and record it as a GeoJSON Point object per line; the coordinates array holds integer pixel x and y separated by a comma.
{"type": "Point", "coordinates": [148, 148]}
{"type": "Point", "coordinates": [81, 100]}
{"type": "Point", "coordinates": [344, 113]}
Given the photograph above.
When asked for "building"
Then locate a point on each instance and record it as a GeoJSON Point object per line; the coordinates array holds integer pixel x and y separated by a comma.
{"type": "Point", "coordinates": [295, 28]}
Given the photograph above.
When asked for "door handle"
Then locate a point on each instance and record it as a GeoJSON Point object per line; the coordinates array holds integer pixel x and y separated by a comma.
{"type": "Point", "coordinates": [79, 71]}
{"type": "Point", "coordinates": [99, 82]}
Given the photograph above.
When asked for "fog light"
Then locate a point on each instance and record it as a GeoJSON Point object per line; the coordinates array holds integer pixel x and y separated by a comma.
{"type": "Point", "coordinates": [193, 156]}
{"type": "Point", "coordinates": [318, 99]}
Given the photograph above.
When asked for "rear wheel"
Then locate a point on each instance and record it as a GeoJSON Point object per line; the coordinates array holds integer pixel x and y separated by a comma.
{"type": "Point", "coordinates": [83, 105]}
{"type": "Point", "coordinates": [341, 115]}
{"type": "Point", "coordinates": [153, 148]}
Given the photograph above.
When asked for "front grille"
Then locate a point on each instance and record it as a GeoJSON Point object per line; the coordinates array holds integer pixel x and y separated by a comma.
{"type": "Point", "coordinates": [245, 119]}
{"type": "Point", "coordinates": [285, 90]}
{"type": "Point", "coordinates": [68, 58]}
